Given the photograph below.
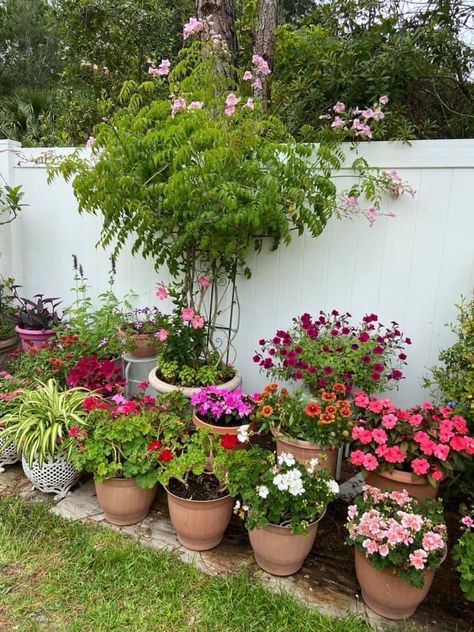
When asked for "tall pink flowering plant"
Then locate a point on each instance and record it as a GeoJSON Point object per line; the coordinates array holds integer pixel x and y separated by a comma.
{"type": "Point", "coordinates": [395, 532]}
{"type": "Point", "coordinates": [425, 440]}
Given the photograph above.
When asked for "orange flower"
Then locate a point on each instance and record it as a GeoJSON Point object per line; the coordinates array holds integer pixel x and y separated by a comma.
{"type": "Point", "coordinates": [326, 418]}
{"type": "Point", "coordinates": [273, 386]}
{"type": "Point", "coordinates": [343, 403]}
{"type": "Point", "coordinates": [267, 411]}
{"type": "Point", "coordinates": [284, 392]}
{"type": "Point", "coordinates": [312, 409]}
{"type": "Point", "coordinates": [331, 410]}
{"type": "Point", "coordinates": [328, 397]}
{"type": "Point", "coordinates": [339, 388]}
{"type": "Point", "coordinates": [345, 412]}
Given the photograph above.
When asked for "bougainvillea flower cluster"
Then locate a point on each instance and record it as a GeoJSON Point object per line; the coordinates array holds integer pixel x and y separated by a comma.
{"type": "Point", "coordinates": [426, 440]}
{"type": "Point", "coordinates": [393, 531]}
{"type": "Point", "coordinates": [329, 349]}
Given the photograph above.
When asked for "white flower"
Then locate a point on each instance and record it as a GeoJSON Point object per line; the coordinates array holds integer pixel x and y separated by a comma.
{"type": "Point", "coordinates": [333, 486]}
{"type": "Point", "coordinates": [280, 482]}
{"type": "Point", "coordinates": [237, 505]}
{"type": "Point", "coordinates": [296, 488]}
{"type": "Point", "coordinates": [243, 433]}
{"type": "Point", "coordinates": [312, 465]}
{"type": "Point", "coordinates": [245, 507]}
{"type": "Point", "coordinates": [263, 491]}
{"type": "Point", "coordinates": [286, 458]}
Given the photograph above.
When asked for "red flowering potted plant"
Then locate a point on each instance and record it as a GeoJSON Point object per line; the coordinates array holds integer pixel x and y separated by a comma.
{"type": "Point", "coordinates": [123, 444]}
{"type": "Point", "coordinates": [308, 427]}
{"type": "Point", "coordinates": [222, 411]}
{"type": "Point", "coordinates": [282, 502]}
{"type": "Point", "coordinates": [329, 349]}
{"type": "Point", "coordinates": [408, 449]}
{"type": "Point", "coordinates": [398, 544]}
{"type": "Point", "coordinates": [35, 320]}
{"type": "Point", "coordinates": [199, 502]}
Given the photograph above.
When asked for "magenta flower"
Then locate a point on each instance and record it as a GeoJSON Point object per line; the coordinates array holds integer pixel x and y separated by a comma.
{"type": "Point", "coordinates": [204, 282]}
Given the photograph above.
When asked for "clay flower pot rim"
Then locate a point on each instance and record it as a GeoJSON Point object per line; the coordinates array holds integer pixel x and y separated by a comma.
{"type": "Point", "coordinates": [402, 477]}
{"type": "Point", "coordinates": [288, 527]}
{"type": "Point", "coordinates": [189, 500]}
{"type": "Point", "coordinates": [208, 425]}
{"type": "Point", "coordinates": [299, 442]}
{"type": "Point", "coordinates": [20, 330]}
{"type": "Point", "coordinates": [166, 387]}
{"type": "Point", "coordinates": [122, 480]}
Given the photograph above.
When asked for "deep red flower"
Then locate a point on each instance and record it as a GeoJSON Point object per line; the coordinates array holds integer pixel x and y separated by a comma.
{"type": "Point", "coordinates": [165, 455]}
{"type": "Point", "coordinates": [229, 441]}
{"type": "Point", "coordinates": [154, 445]}
{"type": "Point", "coordinates": [73, 431]}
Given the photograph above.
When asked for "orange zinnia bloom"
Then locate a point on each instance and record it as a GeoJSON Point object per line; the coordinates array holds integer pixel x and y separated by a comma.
{"type": "Point", "coordinates": [267, 411]}
{"type": "Point", "coordinates": [312, 409]}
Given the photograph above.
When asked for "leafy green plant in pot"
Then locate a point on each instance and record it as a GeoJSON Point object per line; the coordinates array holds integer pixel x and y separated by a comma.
{"type": "Point", "coordinates": [202, 179]}
{"type": "Point", "coordinates": [8, 336]}
{"type": "Point", "coordinates": [36, 320]}
{"type": "Point", "coordinates": [282, 502]}
{"type": "Point", "coordinates": [199, 502]}
{"type": "Point", "coordinates": [141, 331]}
{"type": "Point", "coordinates": [38, 427]}
{"type": "Point", "coordinates": [123, 443]}
{"type": "Point", "coordinates": [463, 553]}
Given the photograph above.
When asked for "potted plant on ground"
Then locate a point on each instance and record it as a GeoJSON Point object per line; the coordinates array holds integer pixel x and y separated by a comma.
{"type": "Point", "coordinates": [223, 412]}
{"type": "Point", "coordinates": [282, 502]}
{"type": "Point", "coordinates": [308, 427]}
{"type": "Point", "coordinates": [36, 320]}
{"type": "Point", "coordinates": [141, 332]}
{"type": "Point", "coordinates": [8, 337]}
{"type": "Point", "coordinates": [410, 449]}
{"type": "Point", "coordinates": [38, 427]}
{"type": "Point", "coordinates": [398, 545]}
{"type": "Point", "coordinates": [330, 349]}
{"type": "Point", "coordinates": [122, 443]}
{"type": "Point", "coordinates": [11, 390]}
{"type": "Point", "coordinates": [199, 502]}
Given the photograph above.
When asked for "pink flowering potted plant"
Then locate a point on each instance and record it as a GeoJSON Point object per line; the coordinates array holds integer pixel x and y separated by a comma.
{"type": "Point", "coordinates": [308, 427]}
{"type": "Point", "coordinates": [410, 449]}
{"type": "Point", "coordinates": [282, 502]}
{"type": "Point", "coordinates": [398, 545]}
{"type": "Point", "coordinates": [223, 412]}
{"type": "Point", "coordinates": [328, 349]}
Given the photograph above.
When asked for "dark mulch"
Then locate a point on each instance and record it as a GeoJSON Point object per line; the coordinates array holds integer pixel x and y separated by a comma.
{"type": "Point", "coordinates": [203, 487]}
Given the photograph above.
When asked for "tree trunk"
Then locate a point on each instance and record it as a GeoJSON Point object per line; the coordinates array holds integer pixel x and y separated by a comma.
{"type": "Point", "coordinates": [223, 15]}
{"type": "Point", "coordinates": [265, 42]}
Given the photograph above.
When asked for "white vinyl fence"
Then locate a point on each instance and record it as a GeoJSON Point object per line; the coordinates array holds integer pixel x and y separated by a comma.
{"type": "Point", "coordinates": [412, 269]}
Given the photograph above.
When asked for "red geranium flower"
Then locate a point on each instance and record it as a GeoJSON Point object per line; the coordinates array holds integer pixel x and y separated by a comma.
{"type": "Point", "coordinates": [229, 441]}
{"type": "Point", "coordinates": [165, 455]}
{"type": "Point", "coordinates": [154, 445]}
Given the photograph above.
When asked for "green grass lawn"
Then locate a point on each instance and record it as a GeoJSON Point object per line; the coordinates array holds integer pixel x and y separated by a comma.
{"type": "Point", "coordinates": [62, 575]}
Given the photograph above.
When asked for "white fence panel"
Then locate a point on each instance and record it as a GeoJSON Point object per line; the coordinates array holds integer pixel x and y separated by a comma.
{"type": "Point", "coordinates": [412, 269]}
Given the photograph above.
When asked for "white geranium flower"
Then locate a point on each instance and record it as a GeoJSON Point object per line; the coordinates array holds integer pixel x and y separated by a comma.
{"type": "Point", "coordinates": [237, 505]}
{"type": "Point", "coordinates": [243, 433]}
{"type": "Point", "coordinates": [333, 486]}
{"type": "Point", "coordinates": [280, 482]}
{"type": "Point", "coordinates": [286, 458]}
{"type": "Point", "coordinates": [263, 491]}
{"type": "Point", "coordinates": [312, 465]}
{"type": "Point", "coordinates": [296, 488]}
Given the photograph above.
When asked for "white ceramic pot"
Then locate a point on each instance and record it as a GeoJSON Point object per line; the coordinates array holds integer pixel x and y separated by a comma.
{"type": "Point", "coordinates": [164, 387]}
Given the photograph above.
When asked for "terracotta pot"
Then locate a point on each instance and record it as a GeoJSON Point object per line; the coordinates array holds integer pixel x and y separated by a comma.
{"type": "Point", "coordinates": [279, 551]}
{"type": "Point", "coordinates": [6, 347]}
{"type": "Point", "coordinates": [387, 594]}
{"type": "Point", "coordinates": [31, 338]}
{"type": "Point", "coordinates": [122, 501]}
{"type": "Point", "coordinates": [221, 430]}
{"type": "Point", "coordinates": [164, 387]}
{"type": "Point", "coordinates": [417, 486]}
{"type": "Point", "coordinates": [143, 346]}
{"type": "Point", "coordinates": [200, 524]}
{"type": "Point", "coordinates": [304, 451]}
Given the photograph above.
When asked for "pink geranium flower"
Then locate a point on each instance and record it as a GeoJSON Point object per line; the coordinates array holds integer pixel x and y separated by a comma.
{"type": "Point", "coordinates": [418, 559]}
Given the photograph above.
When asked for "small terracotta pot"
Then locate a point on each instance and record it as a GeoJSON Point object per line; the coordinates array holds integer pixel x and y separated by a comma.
{"type": "Point", "coordinates": [220, 430]}
{"type": "Point", "coordinates": [143, 346]}
{"type": "Point", "coordinates": [6, 347]}
{"type": "Point", "coordinates": [200, 524]}
{"type": "Point", "coordinates": [188, 391]}
{"type": "Point", "coordinates": [122, 501]}
{"type": "Point", "coordinates": [304, 451]}
{"type": "Point", "coordinates": [279, 551]}
{"type": "Point", "coordinates": [417, 486]}
{"type": "Point", "coordinates": [387, 594]}
{"type": "Point", "coordinates": [32, 338]}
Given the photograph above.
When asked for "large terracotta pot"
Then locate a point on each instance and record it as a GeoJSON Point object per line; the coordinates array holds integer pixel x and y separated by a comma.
{"type": "Point", "coordinates": [164, 387]}
{"type": "Point", "coordinates": [387, 594]}
{"type": "Point", "coordinates": [200, 524]}
{"type": "Point", "coordinates": [6, 347]}
{"type": "Point", "coordinates": [304, 451]}
{"type": "Point", "coordinates": [417, 486]}
{"type": "Point", "coordinates": [123, 501]}
{"type": "Point", "coordinates": [31, 338]}
{"type": "Point", "coordinates": [279, 551]}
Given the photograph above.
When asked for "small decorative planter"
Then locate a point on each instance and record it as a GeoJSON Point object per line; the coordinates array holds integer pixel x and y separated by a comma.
{"type": "Point", "coordinates": [304, 451]}
{"type": "Point", "coordinates": [387, 594]}
{"type": "Point", "coordinates": [200, 524]}
{"type": "Point", "coordinates": [143, 346]}
{"type": "Point", "coordinates": [55, 476]}
{"type": "Point", "coordinates": [31, 338]}
{"type": "Point", "coordinates": [164, 387]}
{"type": "Point", "coordinates": [8, 455]}
{"type": "Point", "coordinates": [123, 501]}
{"type": "Point", "coordinates": [6, 347]}
{"type": "Point", "coordinates": [279, 551]}
{"type": "Point", "coordinates": [417, 486]}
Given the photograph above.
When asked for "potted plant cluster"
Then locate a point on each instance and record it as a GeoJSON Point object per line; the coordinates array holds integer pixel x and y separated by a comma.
{"type": "Point", "coordinates": [308, 427]}
{"type": "Point", "coordinates": [141, 332]}
{"type": "Point", "coordinates": [282, 502]}
{"type": "Point", "coordinates": [36, 320]}
{"type": "Point", "coordinates": [122, 443]}
{"type": "Point", "coordinates": [398, 545]}
{"type": "Point", "coordinates": [411, 449]}
{"type": "Point", "coordinates": [8, 336]}
{"type": "Point", "coordinates": [11, 390]}
{"type": "Point", "coordinates": [38, 427]}
{"type": "Point", "coordinates": [330, 349]}
{"type": "Point", "coordinates": [222, 411]}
